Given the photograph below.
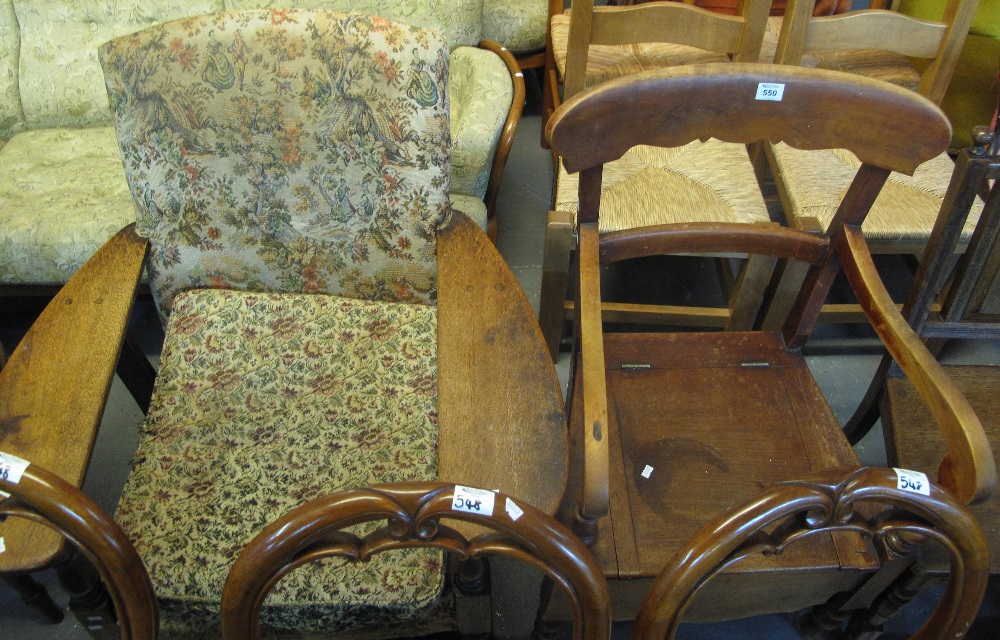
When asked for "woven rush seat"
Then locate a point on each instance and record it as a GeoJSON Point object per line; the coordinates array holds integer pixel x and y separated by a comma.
{"type": "Point", "coordinates": [605, 62]}
{"type": "Point", "coordinates": [881, 65]}
{"type": "Point", "coordinates": [264, 402]}
{"type": "Point", "coordinates": [897, 223]}
{"type": "Point", "coordinates": [651, 185]}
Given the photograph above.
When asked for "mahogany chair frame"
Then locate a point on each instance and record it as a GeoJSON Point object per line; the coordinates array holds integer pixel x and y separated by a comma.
{"type": "Point", "coordinates": [415, 515]}
{"type": "Point", "coordinates": [682, 104]}
{"type": "Point", "coordinates": [786, 513]}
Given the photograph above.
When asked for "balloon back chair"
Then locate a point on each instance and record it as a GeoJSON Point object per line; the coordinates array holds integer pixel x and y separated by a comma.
{"type": "Point", "coordinates": [415, 515]}
{"type": "Point", "coordinates": [668, 429]}
{"type": "Point", "coordinates": [885, 504]}
{"type": "Point", "coordinates": [291, 174]}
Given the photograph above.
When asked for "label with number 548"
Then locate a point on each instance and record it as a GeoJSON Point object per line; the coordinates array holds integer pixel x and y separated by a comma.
{"type": "Point", "coordinates": [914, 481]}
{"type": "Point", "coordinates": [473, 500]}
{"type": "Point", "coordinates": [11, 467]}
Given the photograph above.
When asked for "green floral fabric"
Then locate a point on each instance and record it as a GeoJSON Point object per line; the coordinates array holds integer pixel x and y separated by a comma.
{"type": "Point", "coordinates": [62, 195]}
{"type": "Point", "coordinates": [60, 78]}
{"type": "Point", "coordinates": [11, 116]}
{"type": "Point", "coordinates": [481, 95]}
{"type": "Point", "coordinates": [264, 402]}
{"type": "Point", "coordinates": [518, 25]}
{"type": "Point", "coordinates": [285, 151]}
{"type": "Point", "coordinates": [459, 21]}
{"type": "Point", "coordinates": [470, 206]}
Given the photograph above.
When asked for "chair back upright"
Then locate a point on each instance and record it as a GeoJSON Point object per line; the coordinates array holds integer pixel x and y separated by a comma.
{"type": "Point", "coordinates": [306, 152]}
{"type": "Point", "coordinates": [737, 36]}
{"type": "Point", "coordinates": [869, 33]}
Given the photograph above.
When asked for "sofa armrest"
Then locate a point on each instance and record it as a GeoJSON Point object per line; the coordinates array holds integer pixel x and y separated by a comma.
{"type": "Point", "coordinates": [486, 90]}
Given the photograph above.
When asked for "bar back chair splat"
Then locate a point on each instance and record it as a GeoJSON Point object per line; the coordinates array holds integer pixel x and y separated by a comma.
{"type": "Point", "coordinates": [667, 429]}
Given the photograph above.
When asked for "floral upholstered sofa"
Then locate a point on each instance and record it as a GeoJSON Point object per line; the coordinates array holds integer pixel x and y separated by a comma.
{"type": "Point", "coordinates": [62, 188]}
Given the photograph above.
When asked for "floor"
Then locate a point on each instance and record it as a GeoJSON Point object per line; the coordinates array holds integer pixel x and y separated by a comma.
{"type": "Point", "coordinates": [842, 359]}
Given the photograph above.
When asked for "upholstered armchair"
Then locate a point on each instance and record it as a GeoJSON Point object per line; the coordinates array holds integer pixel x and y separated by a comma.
{"type": "Point", "coordinates": [62, 192]}
{"type": "Point", "coordinates": [332, 321]}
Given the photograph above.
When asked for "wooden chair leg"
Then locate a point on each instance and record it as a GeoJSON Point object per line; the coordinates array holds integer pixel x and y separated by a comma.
{"type": "Point", "coordinates": [35, 596]}
{"type": "Point", "coordinates": [473, 603]}
{"type": "Point", "coordinates": [746, 298]}
{"type": "Point", "coordinates": [555, 276]}
{"type": "Point", "coordinates": [89, 600]}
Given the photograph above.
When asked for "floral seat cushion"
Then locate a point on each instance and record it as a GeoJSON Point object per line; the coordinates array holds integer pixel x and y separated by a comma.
{"type": "Point", "coordinates": [62, 195]}
{"type": "Point", "coordinates": [266, 401]}
{"type": "Point", "coordinates": [708, 181]}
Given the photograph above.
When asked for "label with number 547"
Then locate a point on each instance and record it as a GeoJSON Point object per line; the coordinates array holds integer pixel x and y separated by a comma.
{"type": "Point", "coordinates": [473, 500]}
{"type": "Point", "coordinates": [914, 481]}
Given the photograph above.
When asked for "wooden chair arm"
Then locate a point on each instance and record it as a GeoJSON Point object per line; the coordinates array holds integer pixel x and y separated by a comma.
{"type": "Point", "coordinates": [55, 383]}
{"type": "Point", "coordinates": [506, 141]}
{"type": "Point", "coordinates": [968, 469]}
{"type": "Point", "coordinates": [43, 497]}
{"type": "Point", "coordinates": [826, 501]}
{"type": "Point", "coordinates": [595, 501]}
{"type": "Point", "coordinates": [414, 515]}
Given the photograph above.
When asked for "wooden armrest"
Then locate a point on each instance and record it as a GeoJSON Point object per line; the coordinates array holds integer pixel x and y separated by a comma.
{"type": "Point", "coordinates": [501, 423]}
{"type": "Point", "coordinates": [594, 503]}
{"type": "Point", "coordinates": [43, 496]}
{"type": "Point", "coordinates": [54, 386]}
{"type": "Point", "coordinates": [506, 136]}
{"type": "Point", "coordinates": [968, 469]}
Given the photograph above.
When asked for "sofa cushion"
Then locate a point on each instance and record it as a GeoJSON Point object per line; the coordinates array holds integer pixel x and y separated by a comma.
{"type": "Point", "coordinates": [518, 25]}
{"type": "Point", "coordinates": [459, 21]}
{"type": "Point", "coordinates": [481, 94]}
{"type": "Point", "coordinates": [60, 78]}
{"type": "Point", "coordinates": [11, 116]}
{"type": "Point", "coordinates": [985, 23]}
{"type": "Point", "coordinates": [471, 206]}
{"type": "Point", "coordinates": [62, 195]}
{"type": "Point", "coordinates": [262, 403]}
{"type": "Point", "coordinates": [340, 190]}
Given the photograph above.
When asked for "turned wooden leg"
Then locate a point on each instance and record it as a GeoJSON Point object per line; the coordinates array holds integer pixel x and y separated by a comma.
{"type": "Point", "coordinates": [545, 629]}
{"type": "Point", "coordinates": [867, 623]}
{"type": "Point", "coordinates": [35, 596]}
{"type": "Point", "coordinates": [823, 621]}
{"type": "Point", "coordinates": [89, 601]}
{"type": "Point", "coordinates": [473, 602]}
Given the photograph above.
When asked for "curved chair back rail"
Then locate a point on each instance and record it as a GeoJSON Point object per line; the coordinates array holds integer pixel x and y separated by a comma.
{"type": "Point", "coordinates": [414, 512]}
{"type": "Point", "coordinates": [827, 501]}
{"type": "Point", "coordinates": [681, 104]}
{"type": "Point", "coordinates": [47, 499]}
